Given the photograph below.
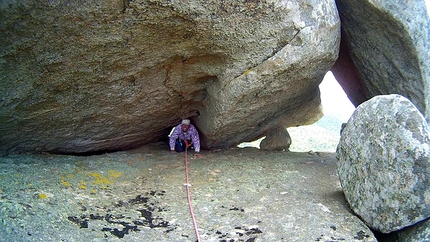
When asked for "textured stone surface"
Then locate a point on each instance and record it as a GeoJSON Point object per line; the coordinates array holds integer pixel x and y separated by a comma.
{"type": "Point", "coordinates": [417, 233]}
{"type": "Point", "coordinates": [238, 195]}
{"type": "Point", "coordinates": [389, 43]}
{"type": "Point", "coordinates": [276, 139]}
{"type": "Point", "coordinates": [384, 168]}
{"type": "Point", "coordinates": [83, 76]}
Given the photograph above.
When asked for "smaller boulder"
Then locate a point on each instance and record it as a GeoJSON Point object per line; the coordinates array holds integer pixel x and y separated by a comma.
{"type": "Point", "coordinates": [276, 139]}
{"type": "Point", "coordinates": [383, 166]}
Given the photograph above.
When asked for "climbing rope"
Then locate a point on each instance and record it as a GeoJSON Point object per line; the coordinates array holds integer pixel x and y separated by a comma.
{"type": "Point", "coordinates": [187, 184]}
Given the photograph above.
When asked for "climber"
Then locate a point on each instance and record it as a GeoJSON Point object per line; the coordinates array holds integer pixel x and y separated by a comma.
{"type": "Point", "coordinates": [185, 135]}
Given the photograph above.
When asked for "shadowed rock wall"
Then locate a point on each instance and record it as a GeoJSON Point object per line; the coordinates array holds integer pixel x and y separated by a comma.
{"type": "Point", "coordinates": [388, 43]}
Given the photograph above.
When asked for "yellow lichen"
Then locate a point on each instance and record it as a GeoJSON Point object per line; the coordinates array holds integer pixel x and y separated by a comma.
{"type": "Point", "coordinates": [103, 181]}
{"type": "Point", "coordinates": [64, 182]}
{"type": "Point", "coordinates": [42, 196]}
{"type": "Point", "coordinates": [99, 179]}
{"type": "Point", "coordinates": [82, 185]}
{"type": "Point", "coordinates": [114, 174]}
{"type": "Point", "coordinates": [246, 72]}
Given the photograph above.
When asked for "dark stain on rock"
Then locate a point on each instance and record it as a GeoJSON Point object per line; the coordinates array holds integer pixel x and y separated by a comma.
{"type": "Point", "coordinates": [141, 203]}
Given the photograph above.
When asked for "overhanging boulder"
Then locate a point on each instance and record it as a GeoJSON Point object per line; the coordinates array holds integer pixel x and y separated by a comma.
{"type": "Point", "coordinates": [81, 76]}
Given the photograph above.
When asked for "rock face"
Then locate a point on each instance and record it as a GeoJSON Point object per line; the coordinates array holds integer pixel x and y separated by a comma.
{"type": "Point", "coordinates": [243, 195]}
{"type": "Point", "coordinates": [388, 43]}
{"type": "Point", "coordinates": [384, 169]}
{"type": "Point", "coordinates": [418, 233]}
{"type": "Point", "coordinates": [81, 76]}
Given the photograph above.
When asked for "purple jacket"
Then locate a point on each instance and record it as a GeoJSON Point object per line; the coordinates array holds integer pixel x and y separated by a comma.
{"type": "Point", "coordinates": [191, 134]}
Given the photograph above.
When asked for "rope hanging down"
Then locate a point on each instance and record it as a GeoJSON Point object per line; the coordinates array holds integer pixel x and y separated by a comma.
{"type": "Point", "coordinates": [187, 184]}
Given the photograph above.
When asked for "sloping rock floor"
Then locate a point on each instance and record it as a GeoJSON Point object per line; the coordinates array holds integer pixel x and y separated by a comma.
{"type": "Point", "coordinates": [139, 195]}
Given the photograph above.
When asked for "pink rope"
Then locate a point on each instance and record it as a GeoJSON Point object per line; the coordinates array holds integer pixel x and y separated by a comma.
{"type": "Point", "coordinates": [187, 184]}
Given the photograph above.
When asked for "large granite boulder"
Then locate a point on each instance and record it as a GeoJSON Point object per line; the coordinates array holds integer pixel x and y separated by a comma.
{"type": "Point", "coordinates": [385, 51]}
{"type": "Point", "coordinates": [384, 163]}
{"type": "Point", "coordinates": [85, 76]}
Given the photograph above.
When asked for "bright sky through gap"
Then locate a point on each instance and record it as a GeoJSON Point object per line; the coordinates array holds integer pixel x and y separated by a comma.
{"type": "Point", "coordinates": [323, 135]}
{"type": "Point", "coordinates": [427, 2]}
{"type": "Point", "coordinates": [334, 100]}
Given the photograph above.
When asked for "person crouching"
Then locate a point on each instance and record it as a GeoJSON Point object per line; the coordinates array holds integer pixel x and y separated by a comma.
{"type": "Point", "coordinates": [185, 135]}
